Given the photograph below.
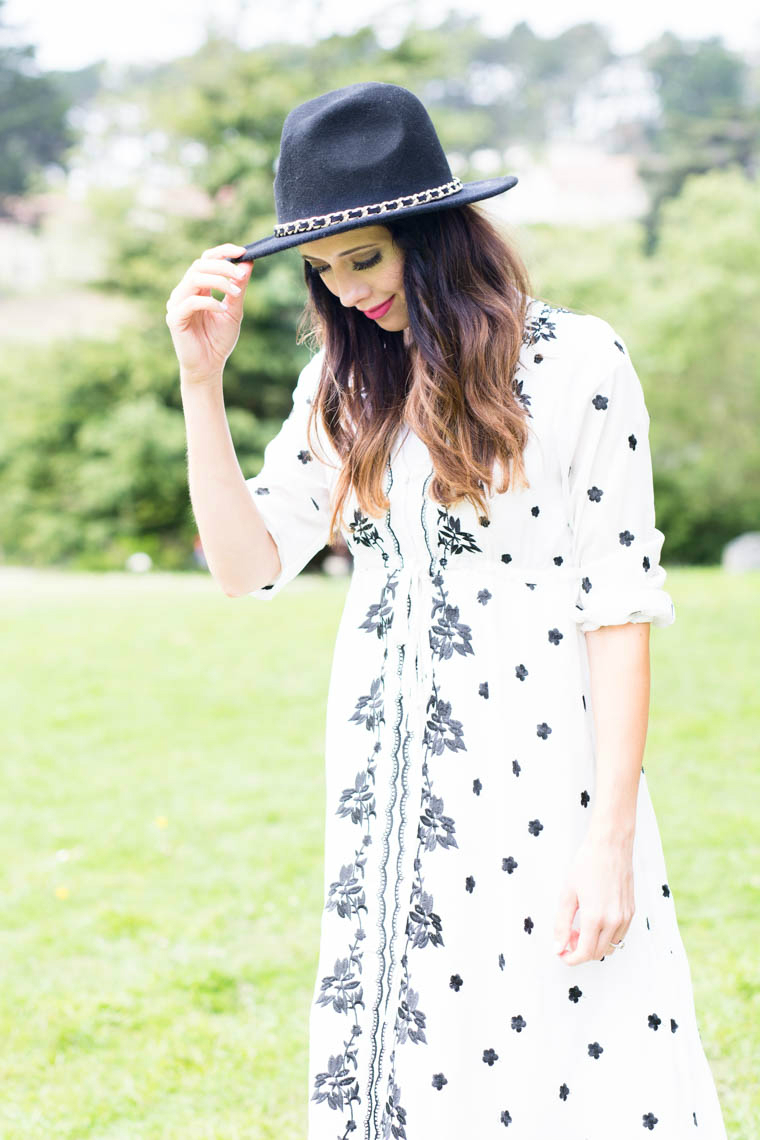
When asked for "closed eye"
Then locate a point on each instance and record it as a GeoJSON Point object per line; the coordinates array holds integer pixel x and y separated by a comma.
{"type": "Point", "coordinates": [367, 264]}
{"type": "Point", "coordinates": [376, 257]}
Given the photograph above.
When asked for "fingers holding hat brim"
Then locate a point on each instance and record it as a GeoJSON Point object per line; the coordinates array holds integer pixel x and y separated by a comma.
{"type": "Point", "coordinates": [470, 192]}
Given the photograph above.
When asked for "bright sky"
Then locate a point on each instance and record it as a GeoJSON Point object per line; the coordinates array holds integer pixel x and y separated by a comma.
{"type": "Point", "coordinates": [72, 33]}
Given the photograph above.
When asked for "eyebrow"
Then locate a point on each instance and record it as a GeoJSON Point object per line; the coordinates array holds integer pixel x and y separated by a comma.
{"type": "Point", "coordinates": [346, 252]}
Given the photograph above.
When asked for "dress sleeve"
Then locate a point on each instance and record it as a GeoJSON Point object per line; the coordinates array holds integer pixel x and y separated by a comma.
{"type": "Point", "coordinates": [616, 545]}
{"type": "Point", "coordinates": [291, 491]}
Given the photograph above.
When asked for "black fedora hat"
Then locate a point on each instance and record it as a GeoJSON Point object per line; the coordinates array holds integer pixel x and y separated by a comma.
{"type": "Point", "coordinates": [355, 157]}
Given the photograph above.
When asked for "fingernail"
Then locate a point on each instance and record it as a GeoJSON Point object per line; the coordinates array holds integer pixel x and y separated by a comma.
{"type": "Point", "coordinates": [235, 288]}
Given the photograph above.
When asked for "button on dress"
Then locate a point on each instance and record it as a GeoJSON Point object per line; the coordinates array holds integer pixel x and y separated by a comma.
{"type": "Point", "coordinates": [460, 780]}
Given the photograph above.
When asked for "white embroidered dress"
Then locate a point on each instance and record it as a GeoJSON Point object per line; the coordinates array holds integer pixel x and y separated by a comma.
{"type": "Point", "coordinates": [460, 782]}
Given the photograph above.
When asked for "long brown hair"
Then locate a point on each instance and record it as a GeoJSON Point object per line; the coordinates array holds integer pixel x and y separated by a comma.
{"type": "Point", "coordinates": [466, 293]}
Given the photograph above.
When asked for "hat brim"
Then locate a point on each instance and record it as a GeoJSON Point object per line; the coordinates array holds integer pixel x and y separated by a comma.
{"type": "Point", "coordinates": [470, 192]}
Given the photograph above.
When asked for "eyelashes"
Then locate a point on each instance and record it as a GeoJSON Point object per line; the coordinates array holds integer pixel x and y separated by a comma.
{"type": "Point", "coordinates": [376, 257]}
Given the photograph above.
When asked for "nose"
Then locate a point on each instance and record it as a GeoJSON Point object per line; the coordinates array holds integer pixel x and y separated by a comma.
{"type": "Point", "coordinates": [352, 291]}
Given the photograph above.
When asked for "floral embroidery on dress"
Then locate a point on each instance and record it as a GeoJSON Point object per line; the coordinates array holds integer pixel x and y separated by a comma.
{"type": "Point", "coordinates": [541, 326]}
{"type": "Point", "coordinates": [523, 397]}
{"type": "Point", "coordinates": [451, 536]}
{"type": "Point", "coordinates": [442, 731]}
{"type": "Point", "coordinates": [379, 616]}
{"type": "Point", "coordinates": [342, 990]}
{"type": "Point", "coordinates": [365, 532]}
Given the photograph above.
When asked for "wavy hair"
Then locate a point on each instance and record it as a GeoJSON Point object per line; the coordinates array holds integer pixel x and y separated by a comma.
{"type": "Point", "coordinates": [450, 379]}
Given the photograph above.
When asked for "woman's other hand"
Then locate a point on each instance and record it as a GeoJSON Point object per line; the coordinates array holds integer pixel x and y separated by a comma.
{"type": "Point", "coordinates": [203, 329]}
{"type": "Point", "coordinates": [599, 884]}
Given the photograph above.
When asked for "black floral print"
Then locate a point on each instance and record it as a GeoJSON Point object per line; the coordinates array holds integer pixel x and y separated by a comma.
{"type": "Point", "coordinates": [365, 532]}
{"type": "Point", "coordinates": [452, 538]}
{"type": "Point", "coordinates": [522, 395]}
{"type": "Point", "coordinates": [379, 617]}
{"type": "Point", "coordinates": [541, 326]}
{"type": "Point", "coordinates": [395, 1115]}
{"type": "Point", "coordinates": [442, 730]}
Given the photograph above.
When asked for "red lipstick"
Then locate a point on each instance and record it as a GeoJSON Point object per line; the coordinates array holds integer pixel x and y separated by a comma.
{"type": "Point", "coordinates": [380, 311]}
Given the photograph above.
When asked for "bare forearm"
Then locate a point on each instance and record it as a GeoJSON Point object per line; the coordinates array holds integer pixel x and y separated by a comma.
{"type": "Point", "coordinates": [620, 683]}
{"type": "Point", "coordinates": [239, 550]}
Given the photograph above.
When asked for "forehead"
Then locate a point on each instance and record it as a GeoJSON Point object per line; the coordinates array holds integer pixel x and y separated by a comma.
{"type": "Point", "coordinates": [337, 244]}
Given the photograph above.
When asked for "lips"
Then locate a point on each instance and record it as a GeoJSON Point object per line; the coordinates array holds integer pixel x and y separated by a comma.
{"type": "Point", "coordinates": [380, 311]}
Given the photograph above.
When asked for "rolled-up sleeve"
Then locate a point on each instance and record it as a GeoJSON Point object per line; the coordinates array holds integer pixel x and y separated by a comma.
{"type": "Point", "coordinates": [616, 544]}
{"type": "Point", "coordinates": [291, 491]}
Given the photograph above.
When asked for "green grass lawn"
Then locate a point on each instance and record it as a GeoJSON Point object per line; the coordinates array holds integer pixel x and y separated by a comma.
{"type": "Point", "coordinates": [161, 847]}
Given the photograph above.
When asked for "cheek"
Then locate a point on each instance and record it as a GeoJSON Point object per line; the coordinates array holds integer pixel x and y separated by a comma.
{"type": "Point", "coordinates": [395, 278]}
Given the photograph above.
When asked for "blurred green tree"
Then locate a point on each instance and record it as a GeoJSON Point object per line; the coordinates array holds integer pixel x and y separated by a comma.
{"type": "Point", "coordinates": [34, 130]}
{"type": "Point", "coordinates": [710, 118]}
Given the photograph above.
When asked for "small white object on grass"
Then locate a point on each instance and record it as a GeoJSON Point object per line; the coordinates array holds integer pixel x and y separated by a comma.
{"type": "Point", "coordinates": [742, 553]}
{"type": "Point", "coordinates": [139, 562]}
{"type": "Point", "coordinates": [336, 566]}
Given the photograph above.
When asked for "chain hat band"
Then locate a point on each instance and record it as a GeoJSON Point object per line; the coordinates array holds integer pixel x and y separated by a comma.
{"type": "Point", "coordinates": [304, 225]}
{"type": "Point", "coordinates": [357, 154]}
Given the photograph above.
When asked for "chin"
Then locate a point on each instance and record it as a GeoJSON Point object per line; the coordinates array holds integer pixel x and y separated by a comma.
{"type": "Point", "coordinates": [394, 324]}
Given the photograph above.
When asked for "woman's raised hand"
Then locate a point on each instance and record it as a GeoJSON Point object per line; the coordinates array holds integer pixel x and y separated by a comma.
{"type": "Point", "coordinates": [203, 329]}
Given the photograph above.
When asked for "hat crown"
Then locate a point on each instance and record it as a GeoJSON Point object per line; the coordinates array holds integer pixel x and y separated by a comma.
{"type": "Point", "coordinates": [368, 142]}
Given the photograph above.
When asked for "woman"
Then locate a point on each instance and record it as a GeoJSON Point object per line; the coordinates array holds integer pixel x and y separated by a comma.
{"type": "Point", "coordinates": [499, 943]}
